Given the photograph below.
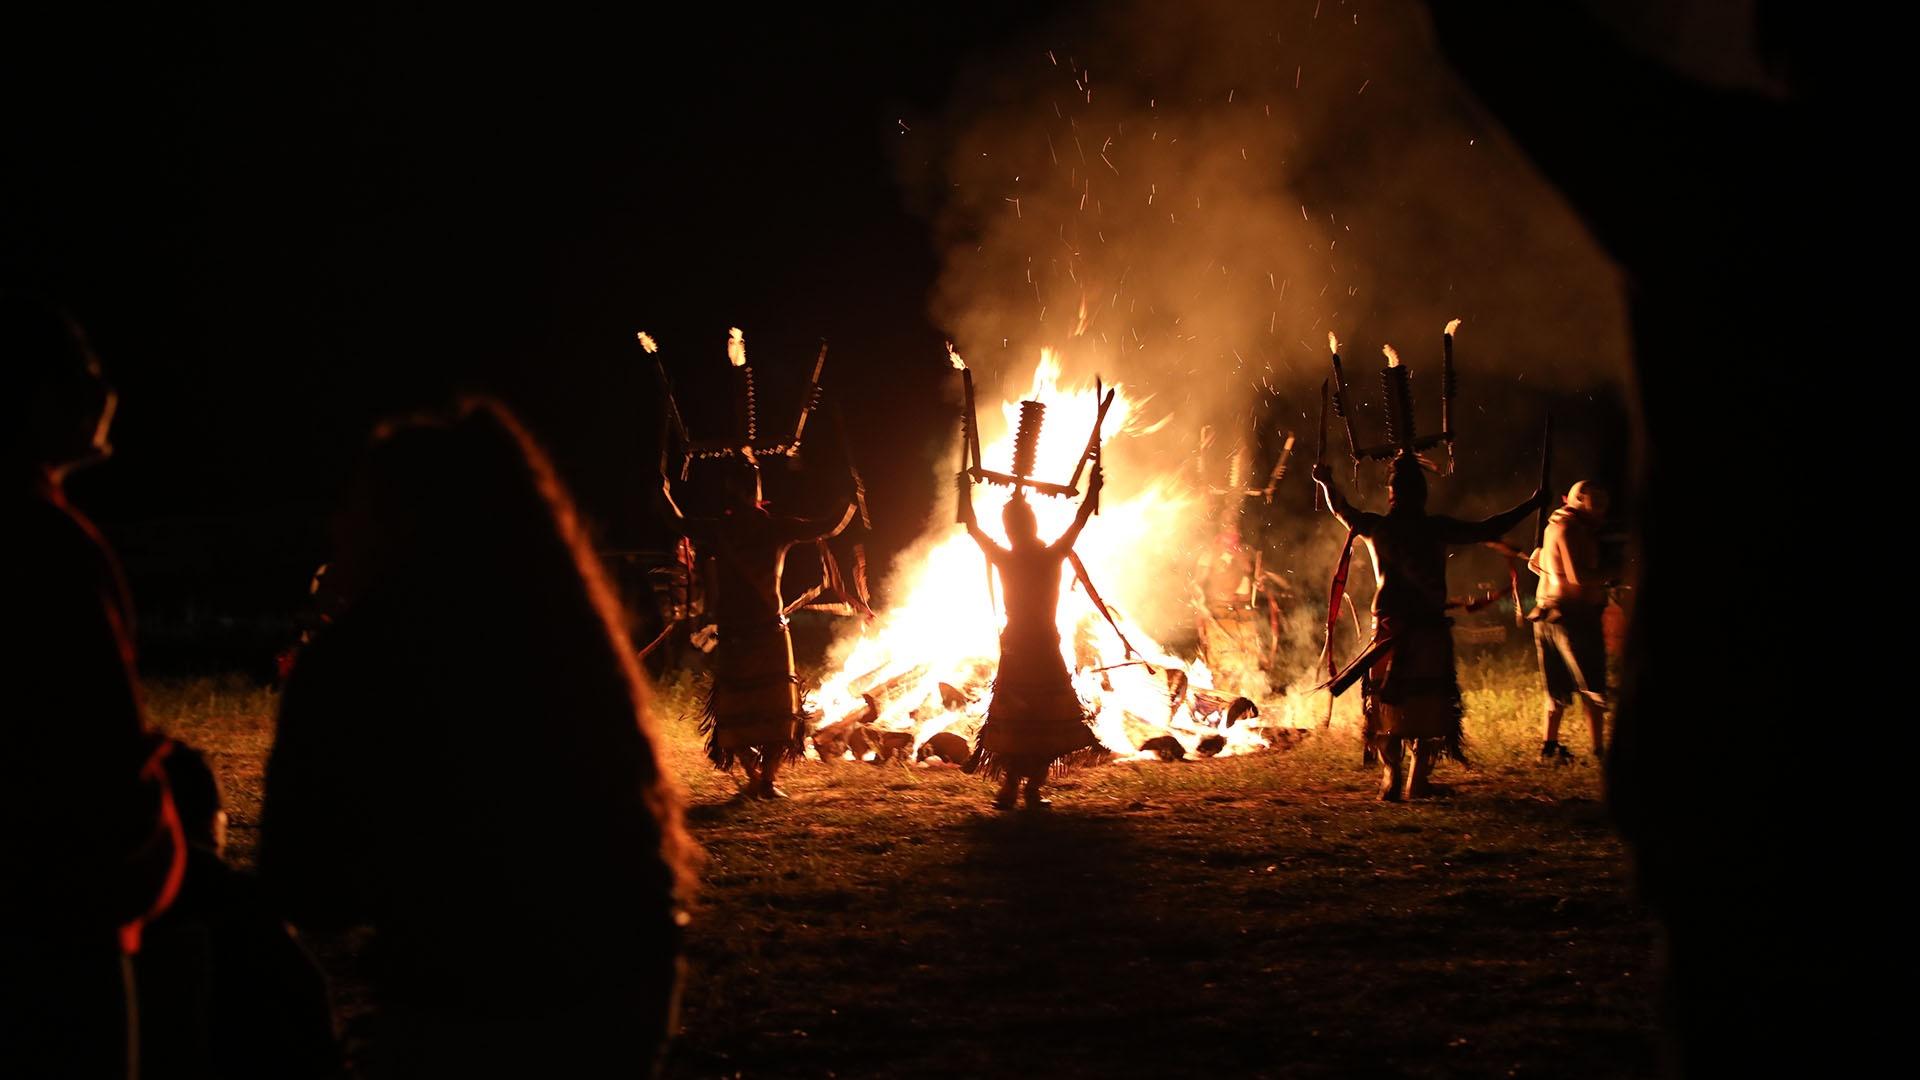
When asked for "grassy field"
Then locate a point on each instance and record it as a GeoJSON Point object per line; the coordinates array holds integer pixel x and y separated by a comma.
{"type": "Point", "coordinates": [1261, 915]}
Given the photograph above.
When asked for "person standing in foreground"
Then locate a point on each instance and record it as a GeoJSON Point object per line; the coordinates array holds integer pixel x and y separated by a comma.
{"type": "Point", "coordinates": [467, 763]}
{"type": "Point", "coordinates": [1567, 616]}
{"type": "Point", "coordinates": [226, 990]}
{"type": "Point", "coordinates": [1411, 693]}
{"type": "Point", "coordinates": [79, 887]}
{"type": "Point", "coordinates": [1035, 718]}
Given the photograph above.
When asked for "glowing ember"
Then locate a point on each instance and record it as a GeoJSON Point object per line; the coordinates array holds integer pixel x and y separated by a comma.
{"type": "Point", "coordinates": [927, 664]}
{"type": "Point", "coordinates": [1393, 358]}
{"type": "Point", "coordinates": [736, 347]}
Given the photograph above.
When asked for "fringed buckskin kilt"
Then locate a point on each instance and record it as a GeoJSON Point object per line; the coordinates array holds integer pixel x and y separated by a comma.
{"type": "Point", "coordinates": [1410, 689]}
{"type": "Point", "coordinates": [1035, 721]}
{"type": "Point", "coordinates": [755, 700]}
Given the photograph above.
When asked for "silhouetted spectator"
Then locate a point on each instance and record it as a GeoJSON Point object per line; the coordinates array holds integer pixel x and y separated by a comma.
{"type": "Point", "coordinates": [95, 848]}
{"type": "Point", "coordinates": [1710, 196]}
{"type": "Point", "coordinates": [225, 989]}
{"type": "Point", "coordinates": [466, 763]}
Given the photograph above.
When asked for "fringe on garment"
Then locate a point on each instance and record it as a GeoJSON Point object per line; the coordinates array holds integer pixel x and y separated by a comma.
{"type": "Point", "coordinates": [994, 766]}
{"type": "Point", "coordinates": [725, 758]}
{"type": "Point", "coordinates": [1453, 743]}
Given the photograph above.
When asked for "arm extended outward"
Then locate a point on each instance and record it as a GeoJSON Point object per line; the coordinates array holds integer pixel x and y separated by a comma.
{"type": "Point", "coordinates": [963, 490]}
{"type": "Point", "coordinates": [1490, 529]}
{"type": "Point", "coordinates": [1343, 511]}
{"type": "Point", "coordinates": [1072, 535]}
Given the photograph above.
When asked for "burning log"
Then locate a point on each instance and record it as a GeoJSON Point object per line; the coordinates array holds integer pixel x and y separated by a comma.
{"type": "Point", "coordinates": [834, 740]}
{"type": "Point", "coordinates": [953, 698]}
{"type": "Point", "coordinates": [855, 736]}
{"type": "Point", "coordinates": [889, 746]}
{"type": "Point", "coordinates": [889, 692]}
{"type": "Point", "coordinates": [1106, 672]}
{"type": "Point", "coordinates": [946, 747]}
{"type": "Point", "coordinates": [1177, 683]}
{"type": "Point", "coordinates": [859, 685]}
{"type": "Point", "coordinates": [1166, 747]}
{"type": "Point", "coordinates": [860, 741]}
{"type": "Point", "coordinates": [1222, 710]}
{"type": "Point", "coordinates": [1280, 737]}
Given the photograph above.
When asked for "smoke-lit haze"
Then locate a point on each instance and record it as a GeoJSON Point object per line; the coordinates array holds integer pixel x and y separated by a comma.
{"type": "Point", "coordinates": [1216, 185]}
{"type": "Point", "coordinates": [1188, 197]}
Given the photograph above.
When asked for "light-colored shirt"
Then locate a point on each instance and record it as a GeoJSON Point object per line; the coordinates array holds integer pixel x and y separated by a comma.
{"type": "Point", "coordinates": [1568, 563]}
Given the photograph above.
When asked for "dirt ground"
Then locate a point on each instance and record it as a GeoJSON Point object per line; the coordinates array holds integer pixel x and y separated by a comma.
{"type": "Point", "coordinates": [1261, 915]}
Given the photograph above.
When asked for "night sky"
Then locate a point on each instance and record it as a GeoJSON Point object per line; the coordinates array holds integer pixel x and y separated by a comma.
{"type": "Point", "coordinates": [279, 229]}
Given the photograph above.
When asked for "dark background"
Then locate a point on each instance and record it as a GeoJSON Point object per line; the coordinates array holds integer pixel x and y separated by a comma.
{"type": "Point", "coordinates": [278, 230]}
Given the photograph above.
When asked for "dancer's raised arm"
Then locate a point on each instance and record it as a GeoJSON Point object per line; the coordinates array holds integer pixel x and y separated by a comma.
{"type": "Point", "coordinates": [1455, 531]}
{"type": "Point", "coordinates": [1072, 535]}
{"type": "Point", "coordinates": [1358, 521]}
{"type": "Point", "coordinates": [963, 491]}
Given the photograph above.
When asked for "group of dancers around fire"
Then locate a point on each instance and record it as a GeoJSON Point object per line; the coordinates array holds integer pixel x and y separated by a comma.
{"type": "Point", "coordinates": [1036, 723]}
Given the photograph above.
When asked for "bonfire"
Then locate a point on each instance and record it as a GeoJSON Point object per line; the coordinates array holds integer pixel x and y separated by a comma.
{"type": "Point", "coordinates": [924, 668]}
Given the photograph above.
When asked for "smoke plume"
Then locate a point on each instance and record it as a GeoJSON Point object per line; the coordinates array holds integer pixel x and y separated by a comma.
{"type": "Point", "coordinates": [1188, 197]}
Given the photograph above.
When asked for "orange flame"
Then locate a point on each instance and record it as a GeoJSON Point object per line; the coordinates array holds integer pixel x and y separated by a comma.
{"type": "Point", "coordinates": [647, 342]}
{"type": "Point", "coordinates": [1333, 343]}
{"type": "Point", "coordinates": [954, 358]}
{"type": "Point", "coordinates": [927, 664]}
{"type": "Point", "coordinates": [1393, 358]}
{"type": "Point", "coordinates": [736, 347]}
{"type": "Point", "coordinates": [1453, 327]}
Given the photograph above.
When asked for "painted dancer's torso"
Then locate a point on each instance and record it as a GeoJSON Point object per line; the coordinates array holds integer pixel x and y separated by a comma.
{"type": "Point", "coordinates": [1030, 579]}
